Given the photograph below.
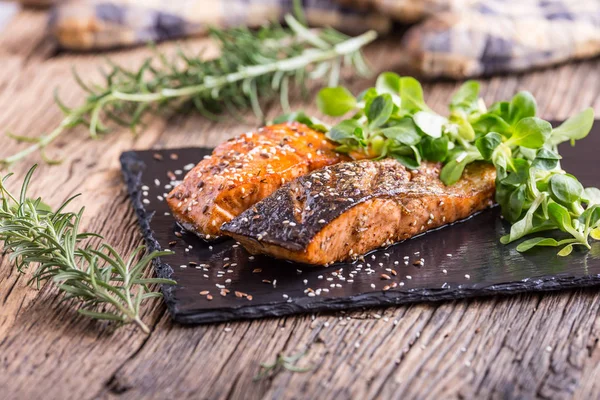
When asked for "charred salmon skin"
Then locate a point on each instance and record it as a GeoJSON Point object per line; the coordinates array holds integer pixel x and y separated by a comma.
{"type": "Point", "coordinates": [245, 170]}
{"type": "Point", "coordinates": [343, 211]}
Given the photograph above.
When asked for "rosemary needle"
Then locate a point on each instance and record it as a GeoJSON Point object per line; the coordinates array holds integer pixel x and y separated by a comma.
{"type": "Point", "coordinates": [253, 65]}
{"type": "Point", "coordinates": [110, 287]}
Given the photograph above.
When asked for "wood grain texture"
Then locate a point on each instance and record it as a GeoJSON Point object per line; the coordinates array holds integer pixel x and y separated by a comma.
{"type": "Point", "coordinates": [523, 346]}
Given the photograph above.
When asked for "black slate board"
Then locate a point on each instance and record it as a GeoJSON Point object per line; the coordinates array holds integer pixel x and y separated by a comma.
{"type": "Point", "coordinates": [462, 260]}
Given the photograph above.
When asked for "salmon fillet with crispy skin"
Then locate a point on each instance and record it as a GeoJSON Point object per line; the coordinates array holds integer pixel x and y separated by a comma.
{"type": "Point", "coordinates": [343, 211]}
{"type": "Point", "coordinates": [245, 170]}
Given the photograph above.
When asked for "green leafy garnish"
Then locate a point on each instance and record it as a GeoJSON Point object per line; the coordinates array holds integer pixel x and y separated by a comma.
{"type": "Point", "coordinates": [109, 286]}
{"type": "Point", "coordinates": [534, 193]}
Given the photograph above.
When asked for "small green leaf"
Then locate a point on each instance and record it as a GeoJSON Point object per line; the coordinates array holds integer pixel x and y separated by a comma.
{"type": "Point", "coordinates": [560, 216]}
{"type": "Point", "coordinates": [591, 196]}
{"type": "Point", "coordinates": [521, 106]}
{"type": "Point", "coordinates": [452, 171]}
{"type": "Point", "coordinates": [575, 128]}
{"type": "Point", "coordinates": [335, 101]}
{"type": "Point", "coordinates": [501, 109]}
{"type": "Point", "coordinates": [568, 249]}
{"type": "Point", "coordinates": [595, 233]}
{"type": "Point", "coordinates": [516, 202]}
{"type": "Point", "coordinates": [389, 82]}
{"type": "Point", "coordinates": [565, 189]}
{"type": "Point", "coordinates": [465, 98]}
{"type": "Point", "coordinates": [431, 124]}
{"type": "Point", "coordinates": [380, 110]}
{"type": "Point", "coordinates": [546, 159]}
{"type": "Point", "coordinates": [411, 160]}
{"type": "Point", "coordinates": [530, 132]}
{"type": "Point", "coordinates": [434, 149]}
{"type": "Point", "coordinates": [404, 131]}
{"type": "Point", "coordinates": [411, 95]}
{"type": "Point", "coordinates": [519, 173]}
{"type": "Point", "coordinates": [464, 128]}
{"type": "Point", "coordinates": [524, 226]}
{"type": "Point", "coordinates": [590, 218]}
{"type": "Point", "coordinates": [491, 122]}
{"type": "Point", "coordinates": [539, 241]}
{"type": "Point", "coordinates": [487, 144]}
{"type": "Point", "coordinates": [348, 132]}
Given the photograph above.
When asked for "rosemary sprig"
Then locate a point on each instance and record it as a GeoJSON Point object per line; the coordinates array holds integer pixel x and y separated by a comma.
{"type": "Point", "coordinates": [253, 65]}
{"type": "Point", "coordinates": [109, 287]}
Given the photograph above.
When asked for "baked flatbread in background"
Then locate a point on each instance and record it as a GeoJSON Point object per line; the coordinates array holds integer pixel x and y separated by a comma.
{"type": "Point", "coordinates": [494, 36]}
{"type": "Point", "coordinates": [102, 24]}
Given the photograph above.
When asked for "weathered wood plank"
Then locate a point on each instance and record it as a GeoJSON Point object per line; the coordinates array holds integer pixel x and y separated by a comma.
{"type": "Point", "coordinates": [518, 347]}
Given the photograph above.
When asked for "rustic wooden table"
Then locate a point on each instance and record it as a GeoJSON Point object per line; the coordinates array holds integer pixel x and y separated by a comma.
{"type": "Point", "coordinates": [531, 345]}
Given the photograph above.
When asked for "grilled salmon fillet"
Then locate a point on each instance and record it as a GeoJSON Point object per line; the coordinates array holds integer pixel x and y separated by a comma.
{"type": "Point", "coordinates": [343, 211]}
{"type": "Point", "coordinates": [245, 170]}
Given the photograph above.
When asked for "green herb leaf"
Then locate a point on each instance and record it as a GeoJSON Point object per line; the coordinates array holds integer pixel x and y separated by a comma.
{"type": "Point", "coordinates": [380, 110]}
{"type": "Point", "coordinates": [595, 233]}
{"type": "Point", "coordinates": [487, 144]}
{"type": "Point", "coordinates": [516, 202]}
{"type": "Point", "coordinates": [530, 132]}
{"type": "Point", "coordinates": [568, 249]}
{"type": "Point", "coordinates": [591, 196]}
{"type": "Point", "coordinates": [546, 159]}
{"type": "Point", "coordinates": [521, 106]}
{"type": "Point", "coordinates": [453, 169]}
{"type": "Point", "coordinates": [411, 94]}
{"type": "Point", "coordinates": [407, 161]}
{"type": "Point", "coordinates": [403, 131]}
{"type": "Point", "coordinates": [560, 216]}
{"type": "Point", "coordinates": [539, 241]}
{"type": "Point", "coordinates": [434, 149]}
{"type": "Point", "coordinates": [347, 132]}
{"type": "Point", "coordinates": [431, 124]}
{"type": "Point", "coordinates": [465, 129]}
{"type": "Point", "coordinates": [491, 122]}
{"type": "Point", "coordinates": [465, 98]}
{"type": "Point", "coordinates": [335, 101]}
{"type": "Point", "coordinates": [389, 82]}
{"type": "Point", "coordinates": [575, 128]}
{"type": "Point", "coordinates": [565, 189]}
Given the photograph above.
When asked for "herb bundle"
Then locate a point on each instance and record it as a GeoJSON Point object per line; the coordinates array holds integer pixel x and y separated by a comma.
{"type": "Point", "coordinates": [534, 192]}
{"type": "Point", "coordinates": [253, 65]}
{"type": "Point", "coordinates": [109, 287]}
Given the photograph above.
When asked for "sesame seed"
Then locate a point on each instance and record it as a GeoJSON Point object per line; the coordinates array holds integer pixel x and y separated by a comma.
{"type": "Point", "coordinates": [467, 276]}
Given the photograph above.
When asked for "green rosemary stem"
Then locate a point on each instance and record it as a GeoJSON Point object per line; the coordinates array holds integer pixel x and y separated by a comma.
{"type": "Point", "coordinates": [45, 140]}
{"type": "Point", "coordinates": [295, 63]}
{"type": "Point", "coordinates": [51, 244]}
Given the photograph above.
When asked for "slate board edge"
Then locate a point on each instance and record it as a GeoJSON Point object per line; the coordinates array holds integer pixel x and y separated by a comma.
{"type": "Point", "coordinates": [132, 167]}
